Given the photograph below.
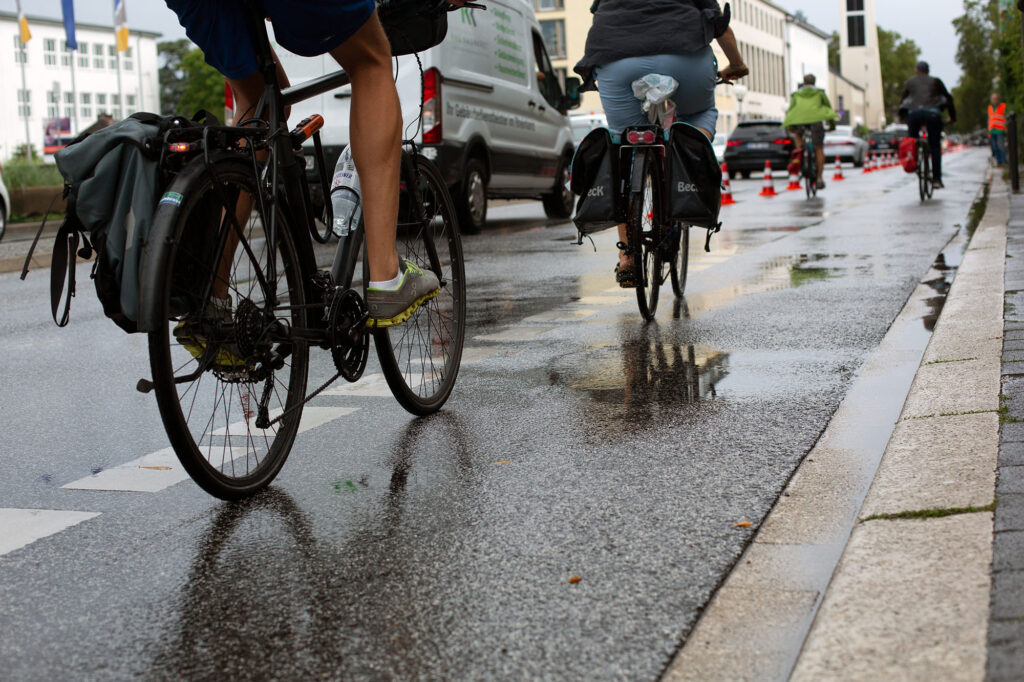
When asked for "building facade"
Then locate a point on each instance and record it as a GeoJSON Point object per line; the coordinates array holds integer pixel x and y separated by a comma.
{"type": "Point", "coordinates": [75, 85]}
{"type": "Point", "coordinates": [859, 58]}
{"type": "Point", "coordinates": [848, 99]}
{"type": "Point", "coordinates": [768, 40]}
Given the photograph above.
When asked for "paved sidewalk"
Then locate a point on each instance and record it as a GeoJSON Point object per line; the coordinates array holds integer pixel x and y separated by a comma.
{"type": "Point", "coordinates": [877, 561]}
{"type": "Point", "coordinates": [1006, 628]}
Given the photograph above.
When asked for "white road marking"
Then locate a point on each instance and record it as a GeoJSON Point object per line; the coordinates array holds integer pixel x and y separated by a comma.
{"type": "Point", "coordinates": [562, 315]}
{"type": "Point", "coordinates": [370, 385]}
{"type": "Point", "coordinates": [515, 334]}
{"type": "Point", "coordinates": [21, 527]}
{"type": "Point", "coordinates": [161, 469]}
{"type": "Point", "coordinates": [471, 355]}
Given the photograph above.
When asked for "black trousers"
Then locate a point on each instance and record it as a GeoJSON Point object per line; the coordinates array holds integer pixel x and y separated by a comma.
{"type": "Point", "coordinates": [932, 122]}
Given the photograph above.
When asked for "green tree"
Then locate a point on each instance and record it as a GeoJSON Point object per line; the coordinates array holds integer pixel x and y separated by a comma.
{"type": "Point", "coordinates": [1010, 66]}
{"type": "Point", "coordinates": [976, 55]}
{"type": "Point", "coordinates": [204, 86]}
{"type": "Point", "coordinates": [899, 57]}
{"type": "Point", "coordinates": [833, 52]}
{"type": "Point", "coordinates": [172, 77]}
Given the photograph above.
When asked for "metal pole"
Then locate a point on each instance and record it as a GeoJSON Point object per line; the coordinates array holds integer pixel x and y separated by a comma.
{"type": "Point", "coordinates": [74, 93]}
{"type": "Point", "coordinates": [27, 106]}
{"type": "Point", "coordinates": [1013, 151]}
{"type": "Point", "coordinates": [120, 92]}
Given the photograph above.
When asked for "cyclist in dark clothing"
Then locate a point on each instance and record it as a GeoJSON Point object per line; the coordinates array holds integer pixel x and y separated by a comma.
{"type": "Point", "coordinates": [924, 99]}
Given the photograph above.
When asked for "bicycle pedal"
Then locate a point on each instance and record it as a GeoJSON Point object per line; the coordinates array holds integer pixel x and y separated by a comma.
{"type": "Point", "coordinates": [144, 386]}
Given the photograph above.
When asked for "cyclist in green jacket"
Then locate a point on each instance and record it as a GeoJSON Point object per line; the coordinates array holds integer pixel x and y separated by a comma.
{"type": "Point", "coordinates": [810, 109]}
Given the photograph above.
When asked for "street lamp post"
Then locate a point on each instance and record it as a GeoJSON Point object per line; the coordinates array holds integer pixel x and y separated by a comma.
{"type": "Point", "coordinates": [740, 91]}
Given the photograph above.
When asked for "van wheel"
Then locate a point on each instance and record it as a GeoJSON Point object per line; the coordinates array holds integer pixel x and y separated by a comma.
{"type": "Point", "coordinates": [558, 204]}
{"type": "Point", "coordinates": [472, 203]}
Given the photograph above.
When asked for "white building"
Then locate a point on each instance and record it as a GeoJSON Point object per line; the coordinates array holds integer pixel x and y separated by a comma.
{"type": "Point", "coordinates": [806, 53]}
{"type": "Point", "coordinates": [77, 85]}
{"type": "Point", "coordinates": [760, 28]}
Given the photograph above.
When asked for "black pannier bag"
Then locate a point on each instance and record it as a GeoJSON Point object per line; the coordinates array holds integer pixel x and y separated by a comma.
{"type": "Point", "coordinates": [112, 185]}
{"type": "Point", "coordinates": [594, 179]}
{"type": "Point", "coordinates": [694, 178]}
{"type": "Point", "coordinates": [413, 25]}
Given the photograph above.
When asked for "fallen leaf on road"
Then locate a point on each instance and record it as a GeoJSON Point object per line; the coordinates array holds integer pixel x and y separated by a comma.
{"type": "Point", "coordinates": [743, 524]}
{"type": "Point", "coordinates": [504, 461]}
{"type": "Point", "coordinates": [575, 579]}
{"type": "Point", "coordinates": [155, 468]}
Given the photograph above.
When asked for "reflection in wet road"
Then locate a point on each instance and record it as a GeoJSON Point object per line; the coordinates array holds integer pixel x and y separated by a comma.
{"type": "Point", "coordinates": [580, 443]}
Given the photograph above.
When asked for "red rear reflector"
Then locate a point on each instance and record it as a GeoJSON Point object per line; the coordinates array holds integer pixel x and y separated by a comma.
{"type": "Point", "coordinates": [178, 147]}
{"type": "Point", "coordinates": [640, 137]}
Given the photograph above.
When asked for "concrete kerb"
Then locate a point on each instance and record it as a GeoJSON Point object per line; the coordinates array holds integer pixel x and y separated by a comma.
{"type": "Point", "coordinates": [907, 598]}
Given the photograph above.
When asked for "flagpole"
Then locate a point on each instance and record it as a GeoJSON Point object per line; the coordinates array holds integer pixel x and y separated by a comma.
{"type": "Point", "coordinates": [120, 92]}
{"type": "Point", "coordinates": [28, 106]}
{"type": "Point", "coordinates": [74, 92]}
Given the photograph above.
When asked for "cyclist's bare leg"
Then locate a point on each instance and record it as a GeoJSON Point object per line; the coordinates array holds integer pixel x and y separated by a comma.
{"type": "Point", "coordinates": [247, 93]}
{"type": "Point", "coordinates": [375, 130]}
{"type": "Point", "coordinates": [819, 154]}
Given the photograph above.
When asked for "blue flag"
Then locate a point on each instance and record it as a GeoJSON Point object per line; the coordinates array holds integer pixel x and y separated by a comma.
{"type": "Point", "coordinates": [69, 23]}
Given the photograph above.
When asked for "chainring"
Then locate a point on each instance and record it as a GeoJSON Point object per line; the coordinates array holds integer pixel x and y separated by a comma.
{"type": "Point", "coordinates": [347, 333]}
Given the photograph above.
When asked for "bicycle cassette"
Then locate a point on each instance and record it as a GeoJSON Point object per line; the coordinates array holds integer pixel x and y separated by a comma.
{"type": "Point", "coordinates": [347, 334]}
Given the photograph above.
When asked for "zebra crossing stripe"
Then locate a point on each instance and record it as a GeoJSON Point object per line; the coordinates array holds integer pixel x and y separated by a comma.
{"type": "Point", "coordinates": [22, 527]}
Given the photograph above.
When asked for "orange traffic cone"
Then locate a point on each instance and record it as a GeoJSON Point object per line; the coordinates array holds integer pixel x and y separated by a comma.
{"type": "Point", "coordinates": [869, 164]}
{"type": "Point", "coordinates": [839, 171]}
{"type": "Point", "coordinates": [794, 182]}
{"type": "Point", "coordinates": [892, 160]}
{"type": "Point", "coordinates": [768, 189]}
{"type": "Point", "coordinates": [727, 199]}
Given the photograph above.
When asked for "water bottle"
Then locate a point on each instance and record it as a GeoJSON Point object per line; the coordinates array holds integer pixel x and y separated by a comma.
{"type": "Point", "coordinates": [345, 195]}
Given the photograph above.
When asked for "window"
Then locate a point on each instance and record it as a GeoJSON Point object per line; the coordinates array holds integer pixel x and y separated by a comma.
{"type": "Point", "coordinates": [115, 103]}
{"type": "Point", "coordinates": [549, 5]}
{"type": "Point", "coordinates": [101, 103]}
{"type": "Point", "coordinates": [855, 30]}
{"type": "Point", "coordinates": [52, 104]}
{"type": "Point", "coordinates": [547, 80]}
{"type": "Point", "coordinates": [65, 54]}
{"type": "Point", "coordinates": [24, 103]}
{"type": "Point", "coordinates": [112, 57]}
{"type": "Point", "coordinates": [83, 55]}
{"type": "Point", "coordinates": [97, 56]}
{"type": "Point", "coordinates": [126, 60]}
{"type": "Point", "coordinates": [130, 108]}
{"type": "Point", "coordinates": [20, 52]}
{"type": "Point", "coordinates": [86, 105]}
{"type": "Point", "coordinates": [854, 5]}
{"type": "Point", "coordinates": [69, 104]}
{"type": "Point", "coordinates": [50, 51]}
{"type": "Point", "coordinates": [554, 37]}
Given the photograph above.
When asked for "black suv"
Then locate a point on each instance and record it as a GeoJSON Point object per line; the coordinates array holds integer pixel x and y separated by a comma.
{"type": "Point", "coordinates": [753, 143]}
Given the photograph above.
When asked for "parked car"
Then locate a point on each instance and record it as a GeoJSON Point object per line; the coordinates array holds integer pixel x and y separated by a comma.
{"type": "Point", "coordinates": [495, 116]}
{"type": "Point", "coordinates": [5, 205]}
{"type": "Point", "coordinates": [842, 143]}
{"type": "Point", "coordinates": [584, 123]}
{"type": "Point", "coordinates": [753, 143]}
{"type": "Point", "coordinates": [887, 140]}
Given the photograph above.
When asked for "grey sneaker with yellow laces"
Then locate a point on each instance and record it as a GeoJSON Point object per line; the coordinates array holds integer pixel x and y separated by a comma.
{"type": "Point", "coordinates": [390, 307]}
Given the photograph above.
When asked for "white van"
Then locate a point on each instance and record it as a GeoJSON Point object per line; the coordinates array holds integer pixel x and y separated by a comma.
{"type": "Point", "coordinates": [494, 115]}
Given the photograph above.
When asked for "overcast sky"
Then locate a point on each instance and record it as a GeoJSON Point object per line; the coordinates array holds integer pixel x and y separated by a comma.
{"type": "Point", "coordinates": [929, 24]}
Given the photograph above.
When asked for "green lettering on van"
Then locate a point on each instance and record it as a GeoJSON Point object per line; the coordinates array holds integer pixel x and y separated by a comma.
{"type": "Point", "coordinates": [468, 17]}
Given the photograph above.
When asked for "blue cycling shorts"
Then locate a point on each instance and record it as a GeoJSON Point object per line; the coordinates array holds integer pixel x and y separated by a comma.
{"type": "Point", "coordinates": [305, 27]}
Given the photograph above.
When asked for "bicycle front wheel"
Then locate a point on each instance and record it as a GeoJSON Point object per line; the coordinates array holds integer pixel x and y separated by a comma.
{"type": "Point", "coordinates": [644, 237]}
{"type": "Point", "coordinates": [681, 262]}
{"type": "Point", "coordinates": [221, 371]}
{"type": "Point", "coordinates": [923, 173]}
{"type": "Point", "coordinates": [420, 358]}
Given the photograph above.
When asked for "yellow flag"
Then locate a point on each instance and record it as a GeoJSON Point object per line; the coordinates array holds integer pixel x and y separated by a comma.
{"type": "Point", "coordinates": [121, 25]}
{"type": "Point", "coordinates": [26, 34]}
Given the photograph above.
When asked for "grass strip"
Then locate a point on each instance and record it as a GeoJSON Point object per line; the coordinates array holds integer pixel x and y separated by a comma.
{"type": "Point", "coordinates": [930, 513]}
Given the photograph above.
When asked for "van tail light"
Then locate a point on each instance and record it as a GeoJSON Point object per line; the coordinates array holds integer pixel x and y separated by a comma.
{"type": "Point", "coordinates": [734, 143]}
{"type": "Point", "coordinates": [432, 132]}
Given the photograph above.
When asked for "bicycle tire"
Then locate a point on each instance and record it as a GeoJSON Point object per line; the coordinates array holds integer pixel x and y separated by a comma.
{"type": "Point", "coordinates": [681, 262]}
{"type": "Point", "coordinates": [408, 353]}
{"type": "Point", "coordinates": [644, 236]}
{"type": "Point", "coordinates": [923, 171]}
{"type": "Point", "coordinates": [810, 171]}
{"type": "Point", "coordinates": [198, 417]}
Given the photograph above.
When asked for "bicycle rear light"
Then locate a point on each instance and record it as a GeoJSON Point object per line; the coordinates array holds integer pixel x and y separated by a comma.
{"type": "Point", "coordinates": [179, 147]}
{"type": "Point", "coordinates": [432, 132]}
{"type": "Point", "coordinates": [640, 137]}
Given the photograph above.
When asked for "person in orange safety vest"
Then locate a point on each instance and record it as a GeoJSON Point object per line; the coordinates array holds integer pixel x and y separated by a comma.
{"type": "Point", "coordinates": [997, 129]}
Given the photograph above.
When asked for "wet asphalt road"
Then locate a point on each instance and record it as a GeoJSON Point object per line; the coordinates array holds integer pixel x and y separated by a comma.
{"type": "Point", "coordinates": [579, 442]}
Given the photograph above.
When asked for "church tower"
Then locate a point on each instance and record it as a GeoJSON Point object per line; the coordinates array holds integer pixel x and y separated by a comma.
{"type": "Point", "coordinates": [858, 50]}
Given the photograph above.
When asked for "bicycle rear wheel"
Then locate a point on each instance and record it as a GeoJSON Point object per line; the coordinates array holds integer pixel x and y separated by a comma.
{"type": "Point", "coordinates": [241, 363]}
{"type": "Point", "coordinates": [644, 236]}
{"type": "Point", "coordinates": [420, 358]}
{"type": "Point", "coordinates": [810, 172]}
{"type": "Point", "coordinates": [923, 173]}
{"type": "Point", "coordinates": [681, 262]}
